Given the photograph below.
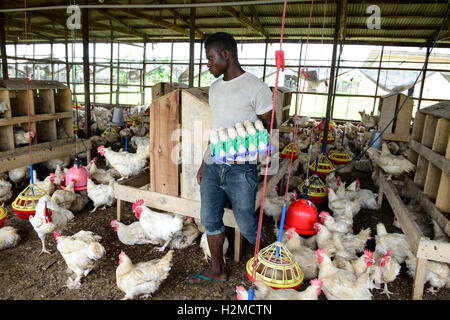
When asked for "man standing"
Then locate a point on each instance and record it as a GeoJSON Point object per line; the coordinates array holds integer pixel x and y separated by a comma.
{"type": "Point", "coordinates": [236, 97]}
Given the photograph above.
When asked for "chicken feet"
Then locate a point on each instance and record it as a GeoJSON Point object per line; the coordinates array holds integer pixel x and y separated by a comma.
{"type": "Point", "coordinates": [386, 291]}
{"type": "Point", "coordinates": [73, 283]}
{"type": "Point", "coordinates": [44, 250]}
{"type": "Point", "coordinates": [161, 249]}
{"type": "Point", "coordinates": [432, 290]}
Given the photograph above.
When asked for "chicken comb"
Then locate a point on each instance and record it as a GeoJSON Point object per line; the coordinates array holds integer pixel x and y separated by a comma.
{"type": "Point", "coordinates": [319, 251]}
{"type": "Point", "coordinates": [99, 149]}
{"type": "Point", "coordinates": [113, 222]}
{"type": "Point", "coordinates": [138, 203]}
{"type": "Point", "coordinates": [121, 254]}
{"type": "Point", "coordinates": [324, 213]}
{"type": "Point", "coordinates": [95, 160]}
{"type": "Point", "coordinates": [368, 253]}
{"type": "Point", "coordinates": [56, 234]}
{"type": "Point", "coordinates": [316, 282]}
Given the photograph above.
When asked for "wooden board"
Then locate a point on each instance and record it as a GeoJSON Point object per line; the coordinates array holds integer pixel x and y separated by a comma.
{"type": "Point", "coordinates": [403, 121]}
{"type": "Point", "coordinates": [43, 152]}
{"type": "Point", "coordinates": [429, 155]}
{"type": "Point", "coordinates": [419, 122]}
{"type": "Point", "coordinates": [19, 84]}
{"type": "Point", "coordinates": [167, 203]}
{"type": "Point", "coordinates": [196, 123]}
{"type": "Point", "coordinates": [387, 107]}
{"type": "Point", "coordinates": [165, 118]}
{"type": "Point", "coordinates": [35, 118]}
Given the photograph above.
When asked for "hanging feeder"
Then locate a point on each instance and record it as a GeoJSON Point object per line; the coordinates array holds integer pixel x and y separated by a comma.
{"type": "Point", "coordinates": [3, 214]}
{"type": "Point", "coordinates": [25, 204]}
{"type": "Point", "coordinates": [287, 151]}
{"type": "Point", "coordinates": [324, 166]}
{"type": "Point", "coordinates": [339, 156]}
{"type": "Point", "coordinates": [279, 273]}
{"type": "Point", "coordinates": [109, 130]}
{"type": "Point", "coordinates": [301, 215]}
{"type": "Point", "coordinates": [317, 191]}
{"type": "Point", "coordinates": [330, 137]}
{"type": "Point", "coordinates": [77, 173]}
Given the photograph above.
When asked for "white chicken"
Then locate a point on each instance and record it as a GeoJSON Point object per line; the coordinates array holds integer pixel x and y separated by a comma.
{"type": "Point", "coordinates": [186, 236]}
{"type": "Point", "coordinates": [64, 198]}
{"type": "Point", "coordinates": [386, 271]}
{"type": "Point", "coordinates": [340, 224]}
{"type": "Point", "coordinates": [5, 190]}
{"type": "Point", "coordinates": [324, 239]}
{"type": "Point", "coordinates": [264, 292]}
{"type": "Point", "coordinates": [101, 195]}
{"type": "Point", "coordinates": [341, 284]}
{"type": "Point", "coordinates": [22, 137]}
{"type": "Point", "coordinates": [3, 107]}
{"type": "Point", "coordinates": [367, 120]}
{"type": "Point", "coordinates": [80, 201]}
{"type": "Point", "coordinates": [396, 242]}
{"type": "Point", "coordinates": [158, 226]}
{"type": "Point", "coordinates": [273, 204]}
{"type": "Point", "coordinates": [46, 185]}
{"type": "Point", "coordinates": [142, 278]}
{"type": "Point", "coordinates": [101, 176]}
{"type": "Point", "coordinates": [392, 165]}
{"type": "Point", "coordinates": [304, 256]}
{"type": "Point", "coordinates": [80, 252]}
{"type": "Point", "coordinates": [138, 129]}
{"type": "Point", "coordinates": [128, 164]}
{"type": "Point", "coordinates": [9, 237]}
{"type": "Point", "coordinates": [131, 234]}
{"type": "Point", "coordinates": [333, 181]}
{"type": "Point", "coordinates": [367, 198]}
{"type": "Point", "coordinates": [338, 205]}
{"type": "Point", "coordinates": [437, 273]}
{"type": "Point", "coordinates": [136, 140]}
{"type": "Point", "coordinates": [48, 218]}
{"type": "Point", "coordinates": [205, 247]}
{"type": "Point", "coordinates": [19, 174]}
{"type": "Point", "coordinates": [52, 164]}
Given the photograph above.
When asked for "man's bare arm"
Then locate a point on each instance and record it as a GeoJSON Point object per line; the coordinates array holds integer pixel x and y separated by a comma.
{"type": "Point", "coordinates": [266, 118]}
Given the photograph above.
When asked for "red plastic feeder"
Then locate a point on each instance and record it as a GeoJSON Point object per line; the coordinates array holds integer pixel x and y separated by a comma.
{"type": "Point", "coordinates": [301, 215]}
{"type": "Point", "coordinates": [77, 173]}
{"type": "Point", "coordinates": [3, 213]}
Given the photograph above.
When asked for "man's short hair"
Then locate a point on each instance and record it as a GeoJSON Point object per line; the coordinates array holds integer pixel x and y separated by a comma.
{"type": "Point", "coordinates": [223, 40]}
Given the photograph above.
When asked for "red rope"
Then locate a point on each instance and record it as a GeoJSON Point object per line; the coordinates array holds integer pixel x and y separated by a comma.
{"type": "Point", "coordinates": [258, 237]}
{"type": "Point", "coordinates": [280, 63]}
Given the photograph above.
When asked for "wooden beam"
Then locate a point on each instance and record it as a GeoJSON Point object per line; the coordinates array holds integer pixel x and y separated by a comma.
{"type": "Point", "coordinates": [3, 47]}
{"type": "Point", "coordinates": [438, 160]}
{"type": "Point", "coordinates": [165, 24]}
{"type": "Point", "coordinates": [245, 21]}
{"type": "Point", "coordinates": [130, 29]}
{"type": "Point", "coordinates": [343, 20]}
{"type": "Point", "coordinates": [191, 48]}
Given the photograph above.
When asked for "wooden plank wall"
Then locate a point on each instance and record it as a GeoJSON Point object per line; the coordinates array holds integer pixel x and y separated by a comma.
{"type": "Point", "coordinates": [165, 118]}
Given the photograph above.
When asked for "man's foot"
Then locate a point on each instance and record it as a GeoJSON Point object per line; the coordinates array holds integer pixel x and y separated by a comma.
{"type": "Point", "coordinates": [206, 276]}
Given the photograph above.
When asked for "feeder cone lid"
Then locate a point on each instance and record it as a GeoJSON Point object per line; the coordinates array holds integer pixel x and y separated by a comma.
{"type": "Point", "coordinates": [301, 215]}
{"type": "Point", "coordinates": [79, 174]}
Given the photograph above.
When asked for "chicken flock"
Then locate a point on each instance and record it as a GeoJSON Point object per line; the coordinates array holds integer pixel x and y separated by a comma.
{"type": "Point", "coordinates": [335, 261]}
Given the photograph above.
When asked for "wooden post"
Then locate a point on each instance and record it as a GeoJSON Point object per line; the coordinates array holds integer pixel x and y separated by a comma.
{"type": "Point", "coordinates": [442, 198]}
{"type": "Point", "coordinates": [378, 79]}
{"type": "Point", "coordinates": [419, 278]}
{"type": "Point", "coordinates": [67, 60]}
{"type": "Point", "coordinates": [144, 66]}
{"type": "Point", "coordinates": [423, 77]}
{"type": "Point", "coordinates": [200, 65]}
{"type": "Point", "coordinates": [416, 134]}
{"type": "Point", "coordinates": [429, 130]}
{"type": "Point", "coordinates": [87, 95]}
{"type": "Point", "coordinates": [3, 47]}
{"type": "Point", "coordinates": [265, 61]}
{"type": "Point", "coordinates": [191, 47]}
{"type": "Point", "coordinates": [237, 245]}
{"type": "Point", "coordinates": [439, 145]}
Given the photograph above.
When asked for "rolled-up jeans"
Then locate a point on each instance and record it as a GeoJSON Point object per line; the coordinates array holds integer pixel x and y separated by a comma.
{"type": "Point", "coordinates": [239, 183]}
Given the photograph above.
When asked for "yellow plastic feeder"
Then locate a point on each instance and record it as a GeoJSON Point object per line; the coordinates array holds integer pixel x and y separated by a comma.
{"type": "Point", "coordinates": [330, 137]}
{"type": "Point", "coordinates": [287, 151]}
{"type": "Point", "coordinates": [25, 203]}
{"type": "Point", "coordinates": [324, 166]}
{"type": "Point", "coordinates": [279, 273]}
{"type": "Point", "coordinates": [3, 214]}
{"type": "Point", "coordinates": [339, 157]}
{"type": "Point", "coordinates": [109, 130]}
{"type": "Point", "coordinates": [317, 190]}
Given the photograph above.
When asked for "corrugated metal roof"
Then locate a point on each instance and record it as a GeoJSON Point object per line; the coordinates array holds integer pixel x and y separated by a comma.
{"type": "Point", "coordinates": [402, 21]}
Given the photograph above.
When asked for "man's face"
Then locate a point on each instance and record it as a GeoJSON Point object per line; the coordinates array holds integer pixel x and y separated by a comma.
{"type": "Point", "coordinates": [217, 62]}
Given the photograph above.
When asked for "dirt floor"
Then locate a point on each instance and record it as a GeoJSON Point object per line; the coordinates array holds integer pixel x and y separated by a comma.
{"type": "Point", "coordinates": [27, 275]}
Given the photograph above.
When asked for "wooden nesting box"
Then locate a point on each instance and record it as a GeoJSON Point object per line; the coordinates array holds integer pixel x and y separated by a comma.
{"type": "Point", "coordinates": [399, 129]}
{"type": "Point", "coordinates": [430, 151]}
{"type": "Point", "coordinates": [49, 104]}
{"type": "Point", "coordinates": [162, 88]}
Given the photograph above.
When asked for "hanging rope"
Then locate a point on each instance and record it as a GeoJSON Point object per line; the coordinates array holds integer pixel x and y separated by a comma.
{"type": "Point", "coordinates": [279, 58]}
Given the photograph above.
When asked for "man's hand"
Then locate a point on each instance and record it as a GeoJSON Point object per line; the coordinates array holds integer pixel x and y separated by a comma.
{"type": "Point", "coordinates": [200, 173]}
{"type": "Point", "coordinates": [266, 118]}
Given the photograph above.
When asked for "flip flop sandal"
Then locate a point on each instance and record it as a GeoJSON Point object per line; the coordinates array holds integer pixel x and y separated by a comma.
{"type": "Point", "coordinates": [199, 276]}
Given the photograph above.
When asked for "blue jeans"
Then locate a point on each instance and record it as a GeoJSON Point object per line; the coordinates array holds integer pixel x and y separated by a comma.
{"type": "Point", "coordinates": [239, 183]}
